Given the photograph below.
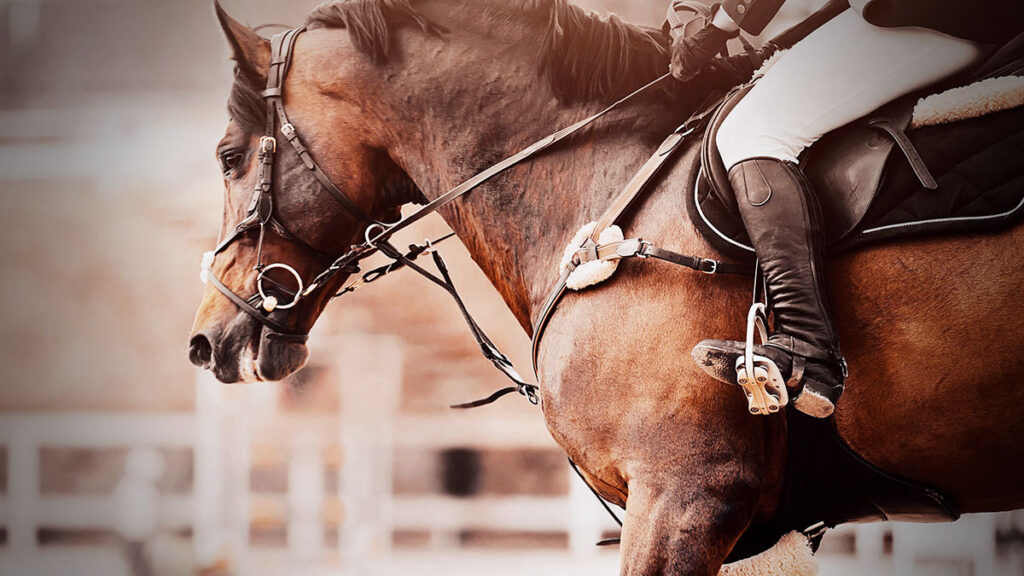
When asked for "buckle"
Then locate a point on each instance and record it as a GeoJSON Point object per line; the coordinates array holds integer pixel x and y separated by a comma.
{"type": "Point", "coordinates": [268, 144]}
{"type": "Point", "coordinates": [629, 248]}
{"type": "Point", "coordinates": [713, 266]}
{"type": "Point", "coordinates": [288, 130]}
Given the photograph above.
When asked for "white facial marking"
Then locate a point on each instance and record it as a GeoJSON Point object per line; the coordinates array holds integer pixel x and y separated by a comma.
{"type": "Point", "coordinates": [247, 366]}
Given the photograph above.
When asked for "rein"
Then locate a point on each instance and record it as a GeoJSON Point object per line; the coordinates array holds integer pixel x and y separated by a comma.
{"type": "Point", "coordinates": [265, 305]}
{"type": "Point", "coordinates": [386, 231]}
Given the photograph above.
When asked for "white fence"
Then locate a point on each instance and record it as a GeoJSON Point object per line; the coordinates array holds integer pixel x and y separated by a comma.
{"type": "Point", "coordinates": [219, 510]}
{"type": "Point", "coordinates": [24, 510]}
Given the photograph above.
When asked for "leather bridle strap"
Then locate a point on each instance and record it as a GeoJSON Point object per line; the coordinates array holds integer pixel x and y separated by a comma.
{"type": "Point", "coordinates": [261, 208]}
{"type": "Point", "coordinates": [250, 309]}
{"type": "Point", "coordinates": [487, 347]}
{"type": "Point", "coordinates": [282, 46]}
{"type": "Point", "coordinates": [362, 251]}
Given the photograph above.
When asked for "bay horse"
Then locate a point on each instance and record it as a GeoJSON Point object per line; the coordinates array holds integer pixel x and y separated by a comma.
{"type": "Point", "coordinates": [399, 103]}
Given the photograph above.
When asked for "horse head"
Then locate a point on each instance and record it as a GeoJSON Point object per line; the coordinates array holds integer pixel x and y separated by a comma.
{"type": "Point", "coordinates": [287, 217]}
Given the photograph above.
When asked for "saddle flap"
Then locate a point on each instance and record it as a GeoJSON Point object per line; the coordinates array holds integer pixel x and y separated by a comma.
{"type": "Point", "coordinates": [847, 166]}
{"type": "Point", "coordinates": [976, 163]}
{"type": "Point", "coordinates": [849, 163]}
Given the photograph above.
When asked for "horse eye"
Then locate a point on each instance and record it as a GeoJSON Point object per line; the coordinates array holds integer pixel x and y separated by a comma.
{"type": "Point", "coordinates": [229, 161]}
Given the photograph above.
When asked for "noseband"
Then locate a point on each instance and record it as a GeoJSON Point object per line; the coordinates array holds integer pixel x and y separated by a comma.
{"type": "Point", "coordinates": [269, 294]}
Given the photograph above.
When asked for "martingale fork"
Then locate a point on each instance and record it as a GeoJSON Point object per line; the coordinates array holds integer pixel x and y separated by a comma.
{"type": "Point", "coordinates": [758, 375]}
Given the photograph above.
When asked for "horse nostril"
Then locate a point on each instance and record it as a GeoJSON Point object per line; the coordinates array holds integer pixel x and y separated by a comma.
{"type": "Point", "coordinates": [200, 350]}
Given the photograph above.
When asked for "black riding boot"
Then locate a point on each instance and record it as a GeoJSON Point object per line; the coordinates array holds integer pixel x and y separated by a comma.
{"type": "Point", "coordinates": [783, 219]}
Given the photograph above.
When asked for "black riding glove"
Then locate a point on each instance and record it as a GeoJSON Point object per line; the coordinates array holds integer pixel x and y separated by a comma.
{"type": "Point", "coordinates": [740, 67]}
{"type": "Point", "coordinates": [691, 52]}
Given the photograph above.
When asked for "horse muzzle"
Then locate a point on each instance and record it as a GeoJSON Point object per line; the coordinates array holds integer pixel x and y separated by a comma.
{"type": "Point", "coordinates": [246, 351]}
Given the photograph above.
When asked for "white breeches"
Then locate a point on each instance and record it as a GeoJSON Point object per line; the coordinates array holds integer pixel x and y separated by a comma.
{"type": "Point", "coordinates": [839, 73]}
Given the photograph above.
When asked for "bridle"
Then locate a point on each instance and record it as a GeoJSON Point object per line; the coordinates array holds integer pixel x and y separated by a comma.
{"type": "Point", "coordinates": [269, 294]}
{"type": "Point", "coordinates": [265, 305]}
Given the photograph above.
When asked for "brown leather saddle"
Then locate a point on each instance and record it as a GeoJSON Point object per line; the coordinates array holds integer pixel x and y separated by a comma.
{"type": "Point", "coordinates": [878, 181]}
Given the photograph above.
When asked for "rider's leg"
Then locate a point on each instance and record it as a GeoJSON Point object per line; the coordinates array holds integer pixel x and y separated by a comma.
{"type": "Point", "coordinates": [839, 73]}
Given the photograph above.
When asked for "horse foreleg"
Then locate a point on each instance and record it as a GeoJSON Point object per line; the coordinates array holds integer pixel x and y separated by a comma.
{"type": "Point", "coordinates": [683, 526]}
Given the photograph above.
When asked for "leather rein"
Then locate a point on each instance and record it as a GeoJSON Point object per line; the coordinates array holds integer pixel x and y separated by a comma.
{"type": "Point", "coordinates": [265, 304]}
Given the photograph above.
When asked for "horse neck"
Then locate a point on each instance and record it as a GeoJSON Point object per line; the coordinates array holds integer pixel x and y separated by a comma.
{"type": "Point", "coordinates": [457, 118]}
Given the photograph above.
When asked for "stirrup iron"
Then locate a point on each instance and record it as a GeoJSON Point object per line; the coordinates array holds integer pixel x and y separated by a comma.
{"type": "Point", "coordinates": [759, 377]}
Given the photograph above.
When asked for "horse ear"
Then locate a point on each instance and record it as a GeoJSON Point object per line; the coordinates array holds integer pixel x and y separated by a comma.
{"type": "Point", "coordinates": [249, 50]}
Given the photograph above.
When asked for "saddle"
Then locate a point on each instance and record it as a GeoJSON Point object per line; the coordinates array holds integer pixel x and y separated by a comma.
{"type": "Point", "coordinates": [877, 180]}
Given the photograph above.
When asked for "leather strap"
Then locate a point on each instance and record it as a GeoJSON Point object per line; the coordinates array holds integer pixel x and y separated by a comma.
{"type": "Point", "coordinates": [637, 247]}
{"type": "Point", "coordinates": [705, 265]}
{"type": "Point", "coordinates": [632, 247]}
{"type": "Point", "coordinates": [798, 347]}
{"type": "Point", "coordinates": [632, 190]}
{"type": "Point", "coordinates": [528, 152]}
{"type": "Point", "coordinates": [797, 371]}
{"type": "Point", "coordinates": [487, 347]}
{"type": "Point", "coordinates": [909, 151]}
{"type": "Point", "coordinates": [250, 309]}
{"type": "Point", "coordinates": [288, 130]}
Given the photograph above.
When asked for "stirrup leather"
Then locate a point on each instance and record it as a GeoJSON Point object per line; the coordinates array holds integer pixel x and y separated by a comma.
{"type": "Point", "coordinates": [759, 377]}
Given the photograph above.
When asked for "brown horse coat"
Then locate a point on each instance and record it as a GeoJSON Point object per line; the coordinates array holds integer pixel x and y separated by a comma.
{"type": "Point", "coordinates": [930, 326]}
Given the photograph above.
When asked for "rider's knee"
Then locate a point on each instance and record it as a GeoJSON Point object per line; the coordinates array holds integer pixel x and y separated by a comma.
{"type": "Point", "coordinates": [741, 138]}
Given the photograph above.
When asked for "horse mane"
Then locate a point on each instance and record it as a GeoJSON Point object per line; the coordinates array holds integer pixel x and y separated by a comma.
{"type": "Point", "coordinates": [583, 56]}
{"type": "Point", "coordinates": [246, 105]}
{"type": "Point", "coordinates": [369, 22]}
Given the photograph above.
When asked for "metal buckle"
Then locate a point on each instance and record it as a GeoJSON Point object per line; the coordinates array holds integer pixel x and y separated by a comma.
{"type": "Point", "coordinates": [629, 248]}
{"type": "Point", "coordinates": [712, 270]}
{"type": "Point", "coordinates": [268, 144]}
{"type": "Point", "coordinates": [288, 130]}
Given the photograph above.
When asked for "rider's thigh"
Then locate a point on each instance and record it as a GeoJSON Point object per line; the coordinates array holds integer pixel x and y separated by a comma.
{"type": "Point", "coordinates": [840, 72]}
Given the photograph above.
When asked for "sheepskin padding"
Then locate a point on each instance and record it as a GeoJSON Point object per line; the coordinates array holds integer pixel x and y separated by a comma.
{"type": "Point", "coordinates": [206, 265]}
{"type": "Point", "coordinates": [767, 64]}
{"type": "Point", "coordinates": [791, 556]}
{"type": "Point", "coordinates": [589, 273]}
{"type": "Point", "coordinates": [971, 101]}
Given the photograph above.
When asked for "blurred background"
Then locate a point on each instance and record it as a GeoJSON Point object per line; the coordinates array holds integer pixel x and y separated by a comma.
{"type": "Point", "coordinates": [118, 458]}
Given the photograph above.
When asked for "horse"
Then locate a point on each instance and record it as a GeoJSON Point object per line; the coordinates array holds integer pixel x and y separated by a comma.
{"type": "Point", "coordinates": [400, 101]}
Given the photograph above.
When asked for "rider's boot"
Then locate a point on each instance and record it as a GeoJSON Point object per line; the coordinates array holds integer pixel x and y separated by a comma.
{"type": "Point", "coordinates": [783, 218]}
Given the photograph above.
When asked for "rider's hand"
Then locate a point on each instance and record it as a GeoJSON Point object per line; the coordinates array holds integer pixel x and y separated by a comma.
{"type": "Point", "coordinates": [741, 67]}
{"type": "Point", "coordinates": [691, 52]}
